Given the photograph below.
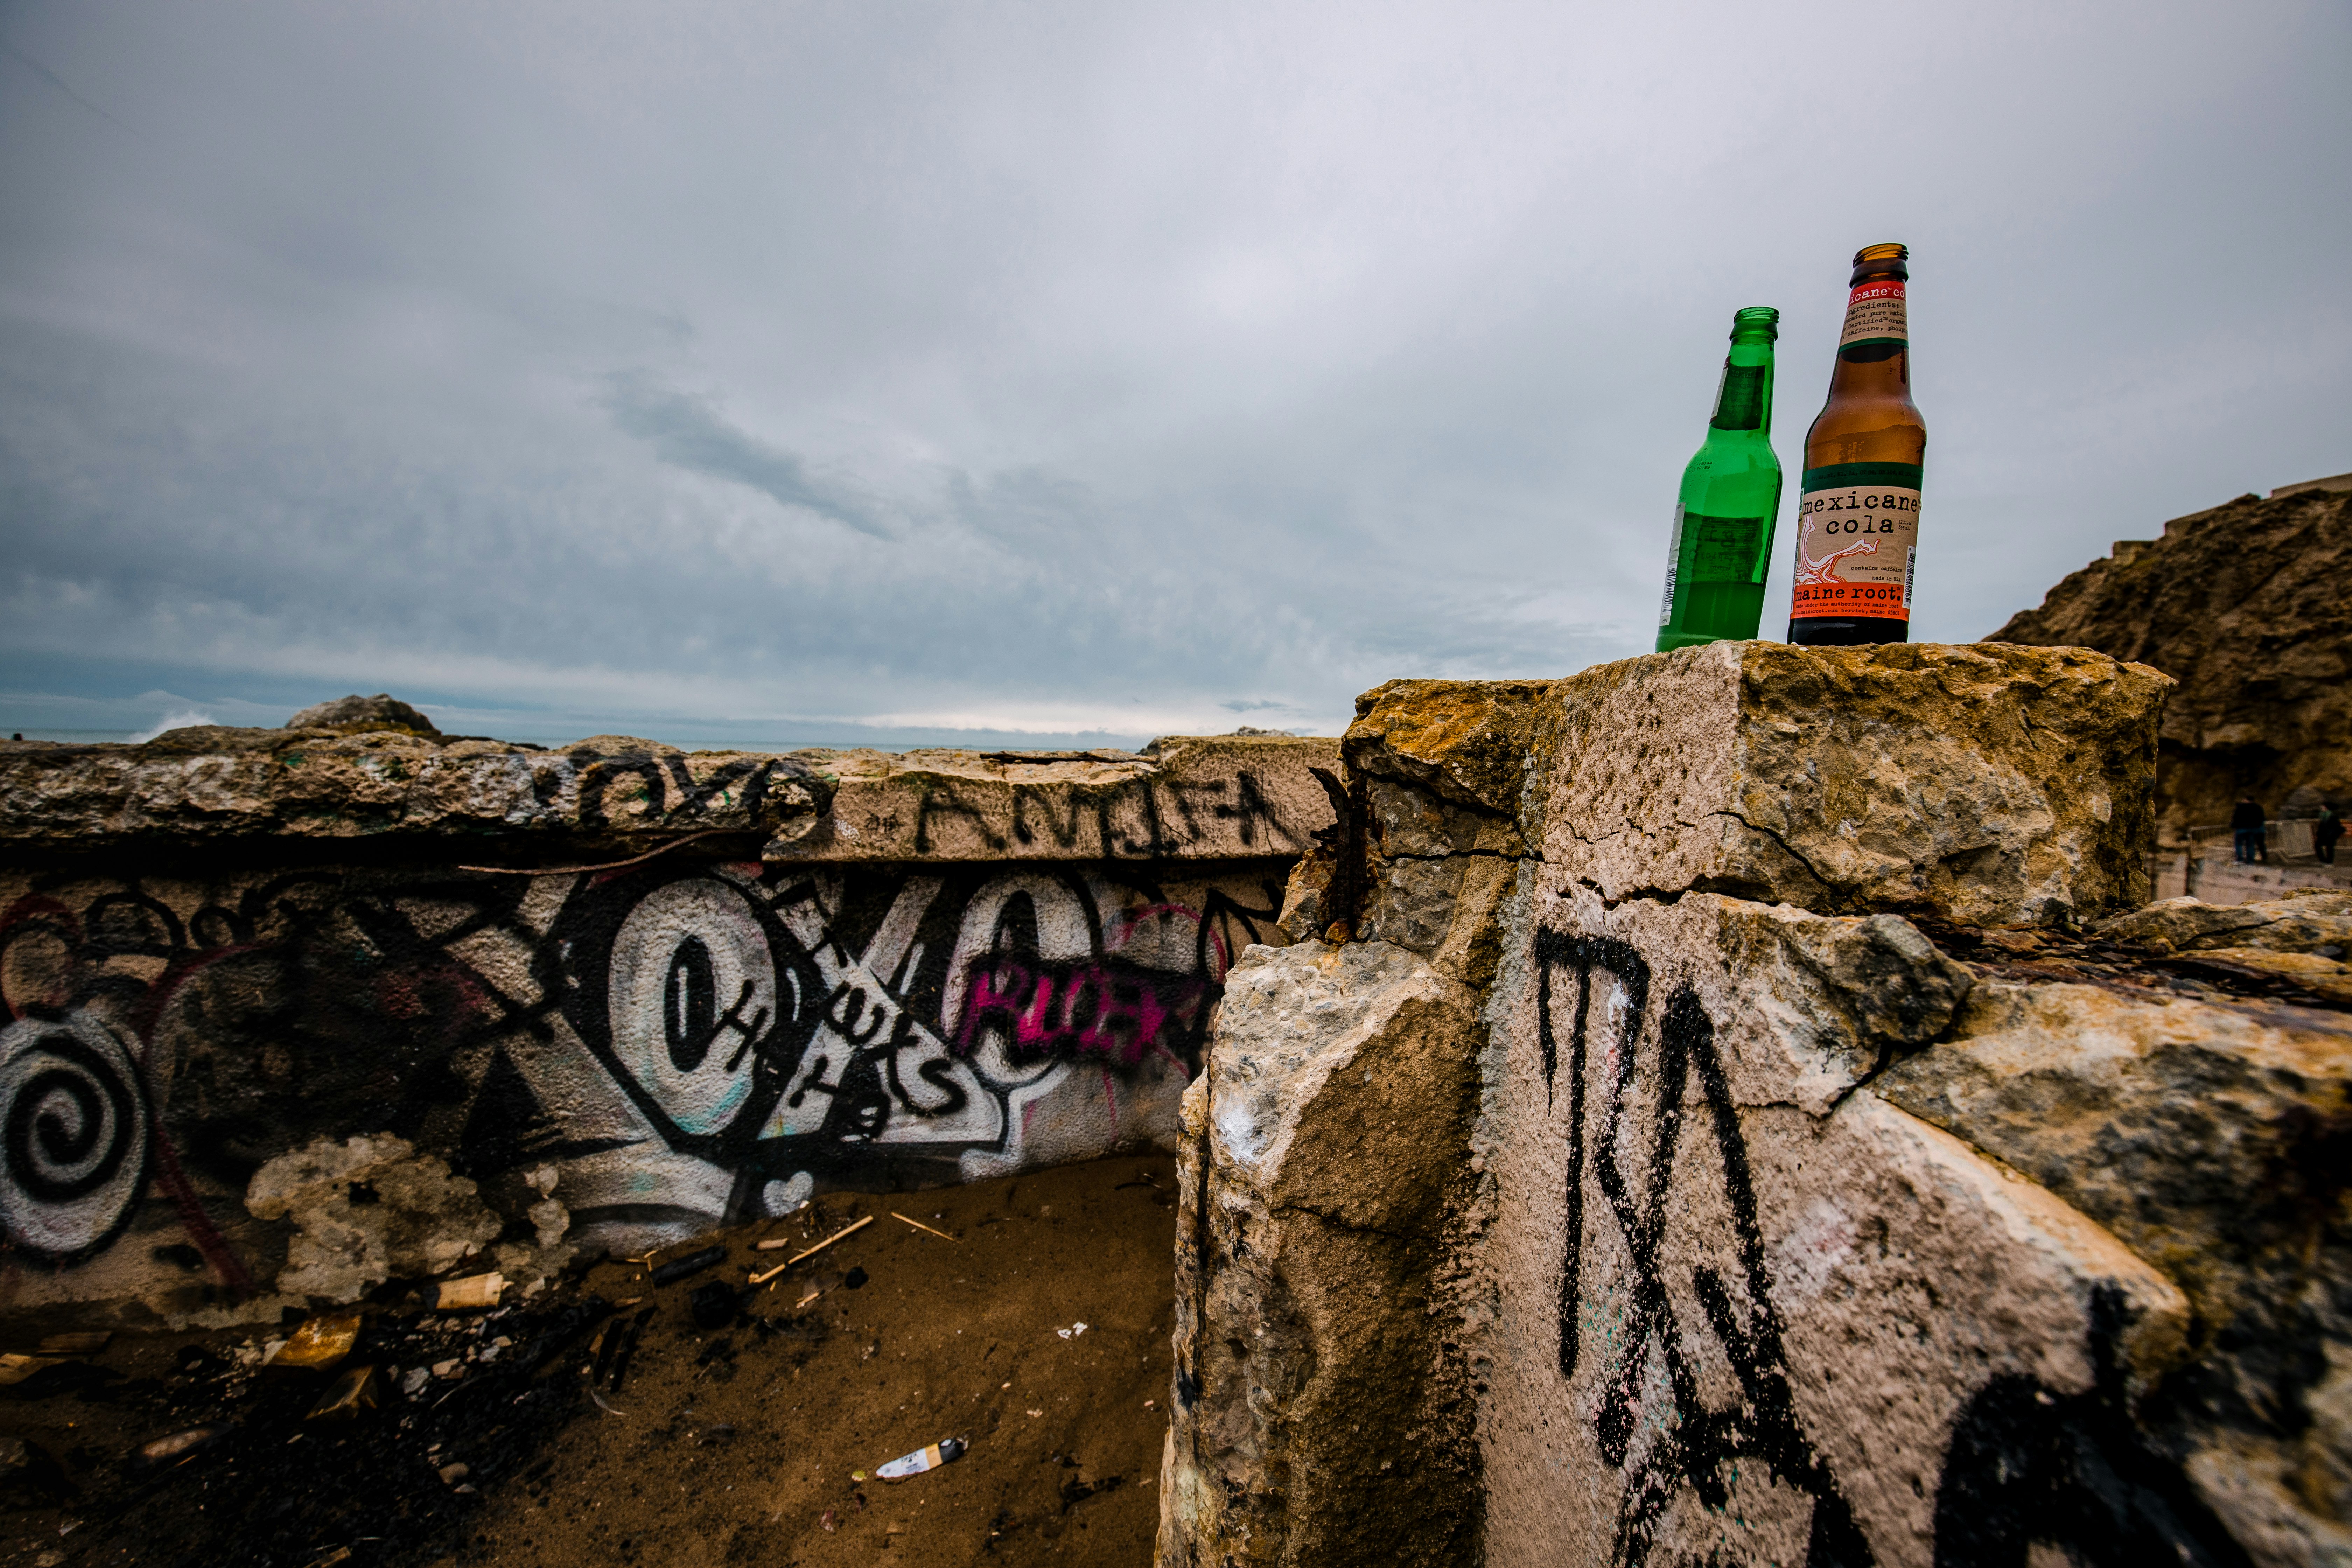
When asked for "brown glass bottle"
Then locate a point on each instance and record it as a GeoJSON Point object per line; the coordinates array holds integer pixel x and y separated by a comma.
{"type": "Point", "coordinates": [1858, 509]}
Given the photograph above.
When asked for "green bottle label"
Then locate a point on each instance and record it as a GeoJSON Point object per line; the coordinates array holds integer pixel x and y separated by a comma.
{"type": "Point", "coordinates": [1740, 405]}
{"type": "Point", "coordinates": [1723, 550]}
{"type": "Point", "coordinates": [1674, 566]}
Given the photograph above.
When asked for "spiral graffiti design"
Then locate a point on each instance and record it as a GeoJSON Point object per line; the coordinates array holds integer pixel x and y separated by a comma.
{"type": "Point", "coordinates": [73, 1135]}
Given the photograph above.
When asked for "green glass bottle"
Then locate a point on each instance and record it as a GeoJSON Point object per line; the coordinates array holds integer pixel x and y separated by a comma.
{"type": "Point", "coordinates": [1731, 492]}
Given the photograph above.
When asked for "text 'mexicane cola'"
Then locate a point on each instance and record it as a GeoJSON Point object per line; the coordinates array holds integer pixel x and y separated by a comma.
{"type": "Point", "coordinates": [1858, 509]}
{"type": "Point", "coordinates": [1731, 492]}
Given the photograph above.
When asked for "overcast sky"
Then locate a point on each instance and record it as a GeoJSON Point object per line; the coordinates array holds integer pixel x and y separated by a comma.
{"type": "Point", "coordinates": [869, 371]}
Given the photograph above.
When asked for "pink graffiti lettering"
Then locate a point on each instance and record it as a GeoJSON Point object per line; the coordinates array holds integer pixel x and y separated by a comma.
{"type": "Point", "coordinates": [1103, 1008]}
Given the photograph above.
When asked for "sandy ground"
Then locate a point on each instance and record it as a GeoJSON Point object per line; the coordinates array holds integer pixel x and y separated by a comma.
{"type": "Point", "coordinates": [742, 1444]}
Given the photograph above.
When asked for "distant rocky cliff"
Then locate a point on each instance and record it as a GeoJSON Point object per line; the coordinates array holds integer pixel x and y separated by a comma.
{"type": "Point", "coordinates": [2246, 604]}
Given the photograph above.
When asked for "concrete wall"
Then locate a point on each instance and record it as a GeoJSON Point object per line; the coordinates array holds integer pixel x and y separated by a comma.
{"type": "Point", "coordinates": [1818, 1150]}
{"type": "Point", "coordinates": [289, 1016]}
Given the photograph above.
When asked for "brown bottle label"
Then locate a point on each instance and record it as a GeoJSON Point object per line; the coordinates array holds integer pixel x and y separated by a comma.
{"type": "Point", "coordinates": [1856, 548]}
{"type": "Point", "coordinates": [1875, 313]}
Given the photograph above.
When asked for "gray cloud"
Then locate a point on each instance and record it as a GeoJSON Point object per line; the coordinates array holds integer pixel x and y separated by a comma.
{"type": "Point", "coordinates": [689, 432]}
{"type": "Point", "coordinates": [56, 82]}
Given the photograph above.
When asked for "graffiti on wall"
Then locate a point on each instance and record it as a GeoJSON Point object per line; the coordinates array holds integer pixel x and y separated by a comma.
{"type": "Point", "coordinates": [73, 1140]}
{"type": "Point", "coordinates": [1147, 817]}
{"type": "Point", "coordinates": [1665, 1281]}
{"type": "Point", "coordinates": [687, 1043]}
{"type": "Point", "coordinates": [776, 1023]}
{"type": "Point", "coordinates": [1674, 1446]}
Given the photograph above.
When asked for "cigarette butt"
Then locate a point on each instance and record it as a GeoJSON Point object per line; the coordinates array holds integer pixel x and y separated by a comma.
{"type": "Point", "coordinates": [946, 1451]}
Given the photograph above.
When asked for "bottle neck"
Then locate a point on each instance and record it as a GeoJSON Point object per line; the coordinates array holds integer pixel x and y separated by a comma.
{"type": "Point", "coordinates": [1743, 401]}
{"type": "Point", "coordinates": [1874, 357]}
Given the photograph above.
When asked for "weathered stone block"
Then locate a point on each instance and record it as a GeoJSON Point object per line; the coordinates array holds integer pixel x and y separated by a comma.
{"type": "Point", "coordinates": [1437, 770]}
{"type": "Point", "coordinates": [1185, 798]}
{"type": "Point", "coordinates": [2300, 923]}
{"type": "Point", "coordinates": [1319, 1415]}
{"type": "Point", "coordinates": [2211, 1139]}
{"type": "Point", "coordinates": [1984, 784]}
{"type": "Point", "coordinates": [1748, 1310]}
{"type": "Point", "coordinates": [1470, 741]}
{"type": "Point", "coordinates": [1433, 876]}
{"type": "Point", "coordinates": [1188, 798]}
{"type": "Point", "coordinates": [212, 783]}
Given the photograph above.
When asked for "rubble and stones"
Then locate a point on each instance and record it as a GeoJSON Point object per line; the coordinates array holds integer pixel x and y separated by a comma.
{"type": "Point", "coordinates": [242, 1472]}
{"type": "Point", "coordinates": [365, 1211]}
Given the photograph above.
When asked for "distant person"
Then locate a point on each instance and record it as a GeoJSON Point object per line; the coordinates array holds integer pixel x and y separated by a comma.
{"type": "Point", "coordinates": [2246, 822]}
{"type": "Point", "coordinates": [2325, 832]}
